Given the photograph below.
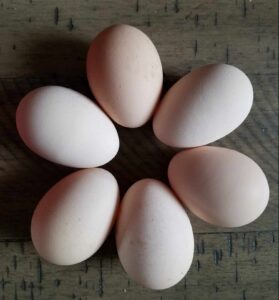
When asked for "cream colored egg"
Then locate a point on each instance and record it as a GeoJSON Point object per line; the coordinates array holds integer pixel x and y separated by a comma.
{"type": "Point", "coordinates": [65, 127]}
{"type": "Point", "coordinates": [203, 106]}
{"type": "Point", "coordinates": [74, 217]}
{"type": "Point", "coordinates": [125, 74]}
{"type": "Point", "coordinates": [219, 185]}
{"type": "Point", "coordinates": [154, 236]}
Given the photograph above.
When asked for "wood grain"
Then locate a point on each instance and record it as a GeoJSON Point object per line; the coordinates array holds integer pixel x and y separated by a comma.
{"type": "Point", "coordinates": [45, 42]}
{"type": "Point", "coordinates": [225, 266]}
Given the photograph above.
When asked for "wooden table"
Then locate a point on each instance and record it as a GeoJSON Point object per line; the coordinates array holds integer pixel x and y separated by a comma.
{"type": "Point", "coordinates": [45, 42]}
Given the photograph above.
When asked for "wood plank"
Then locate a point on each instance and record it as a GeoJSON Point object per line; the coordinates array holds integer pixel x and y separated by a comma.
{"type": "Point", "coordinates": [226, 266]}
{"type": "Point", "coordinates": [45, 37]}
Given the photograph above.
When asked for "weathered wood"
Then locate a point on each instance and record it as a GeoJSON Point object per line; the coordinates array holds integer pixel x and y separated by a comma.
{"type": "Point", "coordinates": [52, 36]}
{"type": "Point", "coordinates": [226, 266]}
{"type": "Point", "coordinates": [45, 42]}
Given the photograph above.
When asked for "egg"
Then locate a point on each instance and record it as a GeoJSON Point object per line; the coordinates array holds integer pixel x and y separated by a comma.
{"type": "Point", "coordinates": [203, 106]}
{"type": "Point", "coordinates": [221, 186]}
{"type": "Point", "coordinates": [125, 74]}
{"type": "Point", "coordinates": [154, 236]}
{"type": "Point", "coordinates": [65, 127]}
{"type": "Point", "coordinates": [74, 217]}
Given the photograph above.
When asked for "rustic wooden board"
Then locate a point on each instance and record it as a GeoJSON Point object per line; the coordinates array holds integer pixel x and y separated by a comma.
{"type": "Point", "coordinates": [45, 42]}
{"type": "Point", "coordinates": [226, 266]}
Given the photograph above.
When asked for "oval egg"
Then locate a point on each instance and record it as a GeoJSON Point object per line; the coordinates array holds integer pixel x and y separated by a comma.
{"type": "Point", "coordinates": [154, 236]}
{"type": "Point", "coordinates": [74, 217]}
{"type": "Point", "coordinates": [203, 106]}
{"type": "Point", "coordinates": [125, 74]}
{"type": "Point", "coordinates": [65, 127]}
{"type": "Point", "coordinates": [221, 186]}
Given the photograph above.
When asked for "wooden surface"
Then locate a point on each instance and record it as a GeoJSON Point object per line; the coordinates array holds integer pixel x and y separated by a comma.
{"type": "Point", "coordinates": [45, 42]}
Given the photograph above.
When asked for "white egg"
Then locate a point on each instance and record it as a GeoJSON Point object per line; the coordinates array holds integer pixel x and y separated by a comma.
{"type": "Point", "coordinates": [66, 127]}
{"type": "Point", "coordinates": [74, 217]}
{"type": "Point", "coordinates": [203, 106]}
{"type": "Point", "coordinates": [154, 236]}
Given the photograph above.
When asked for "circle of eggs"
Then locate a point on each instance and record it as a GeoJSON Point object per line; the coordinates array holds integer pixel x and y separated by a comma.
{"type": "Point", "coordinates": [154, 236]}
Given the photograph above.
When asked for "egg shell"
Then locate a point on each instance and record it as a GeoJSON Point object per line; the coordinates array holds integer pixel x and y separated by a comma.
{"type": "Point", "coordinates": [125, 74]}
{"type": "Point", "coordinates": [203, 106]}
{"type": "Point", "coordinates": [74, 217]}
{"type": "Point", "coordinates": [154, 236]}
{"type": "Point", "coordinates": [65, 127]}
{"type": "Point", "coordinates": [221, 186]}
